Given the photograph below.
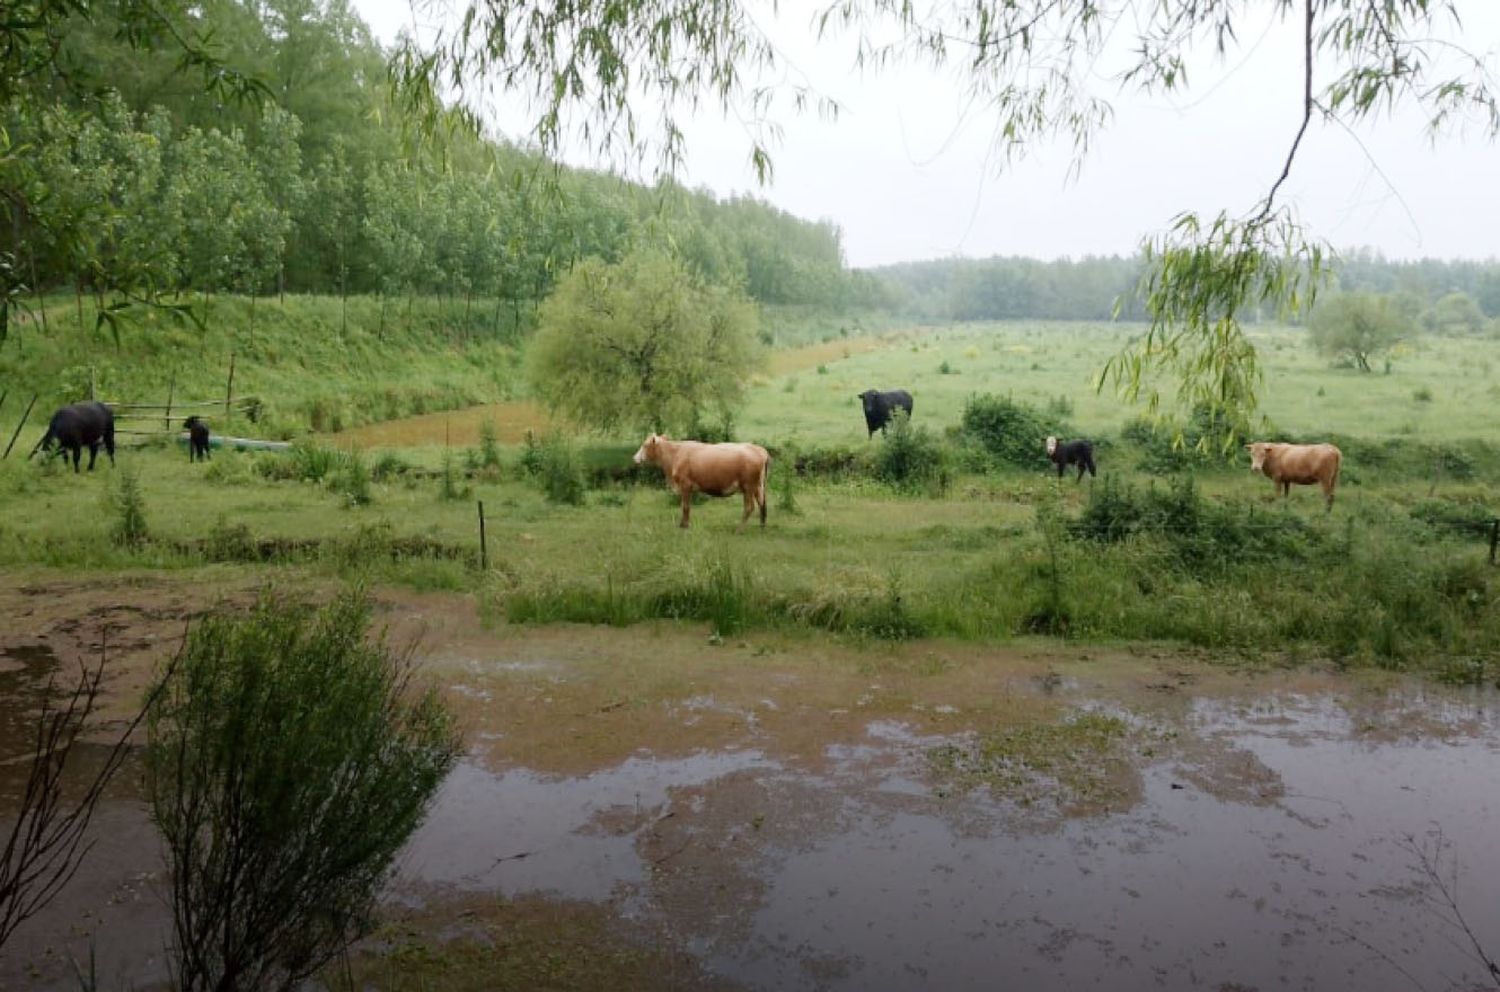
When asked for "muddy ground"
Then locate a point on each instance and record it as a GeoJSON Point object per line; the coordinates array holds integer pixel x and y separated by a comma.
{"type": "Point", "coordinates": [650, 808]}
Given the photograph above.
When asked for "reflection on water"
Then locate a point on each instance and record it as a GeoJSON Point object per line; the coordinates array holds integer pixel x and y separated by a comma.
{"type": "Point", "coordinates": [1270, 850]}
{"type": "Point", "coordinates": [1310, 884]}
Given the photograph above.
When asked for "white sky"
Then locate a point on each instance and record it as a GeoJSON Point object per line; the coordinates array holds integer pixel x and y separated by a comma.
{"type": "Point", "coordinates": [906, 178]}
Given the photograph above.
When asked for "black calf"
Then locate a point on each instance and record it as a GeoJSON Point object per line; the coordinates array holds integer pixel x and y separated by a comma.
{"type": "Point", "coordinates": [1080, 453]}
{"type": "Point", "coordinates": [197, 438]}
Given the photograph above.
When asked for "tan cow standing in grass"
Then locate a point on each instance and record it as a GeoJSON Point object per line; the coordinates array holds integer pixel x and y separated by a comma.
{"type": "Point", "coordinates": [1303, 464]}
{"type": "Point", "coordinates": [713, 469]}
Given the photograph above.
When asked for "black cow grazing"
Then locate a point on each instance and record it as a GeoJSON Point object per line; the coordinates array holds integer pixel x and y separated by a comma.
{"type": "Point", "coordinates": [1080, 453]}
{"type": "Point", "coordinates": [78, 426]}
{"type": "Point", "coordinates": [880, 405]}
{"type": "Point", "coordinates": [197, 438]}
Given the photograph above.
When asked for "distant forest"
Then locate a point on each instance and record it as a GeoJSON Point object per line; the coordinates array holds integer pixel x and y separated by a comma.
{"type": "Point", "coordinates": [320, 188]}
{"type": "Point", "coordinates": [1002, 288]}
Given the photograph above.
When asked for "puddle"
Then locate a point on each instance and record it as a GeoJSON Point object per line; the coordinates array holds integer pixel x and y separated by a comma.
{"type": "Point", "coordinates": [1273, 834]}
{"type": "Point", "coordinates": [518, 832]}
{"type": "Point", "coordinates": [1276, 852]}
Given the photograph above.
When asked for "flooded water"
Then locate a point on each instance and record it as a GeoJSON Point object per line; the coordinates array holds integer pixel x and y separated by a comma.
{"type": "Point", "coordinates": [1307, 872]}
{"type": "Point", "coordinates": [1267, 836]}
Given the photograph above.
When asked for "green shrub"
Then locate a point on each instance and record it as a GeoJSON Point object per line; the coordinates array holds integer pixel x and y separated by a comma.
{"type": "Point", "coordinates": [451, 484]}
{"type": "Point", "coordinates": [1011, 433]}
{"type": "Point", "coordinates": [389, 466]}
{"type": "Point", "coordinates": [489, 447]}
{"type": "Point", "coordinates": [288, 760]}
{"type": "Point", "coordinates": [946, 369]}
{"type": "Point", "coordinates": [230, 542]}
{"type": "Point", "coordinates": [559, 472]}
{"type": "Point", "coordinates": [353, 481]}
{"type": "Point", "coordinates": [531, 455]}
{"type": "Point", "coordinates": [129, 507]}
{"type": "Point", "coordinates": [909, 457]}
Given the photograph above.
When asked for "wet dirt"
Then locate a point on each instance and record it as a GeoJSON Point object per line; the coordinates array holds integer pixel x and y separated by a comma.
{"type": "Point", "coordinates": [775, 811]}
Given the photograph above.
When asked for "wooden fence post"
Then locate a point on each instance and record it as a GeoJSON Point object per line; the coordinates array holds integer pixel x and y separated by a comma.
{"type": "Point", "coordinates": [484, 551]}
{"type": "Point", "coordinates": [229, 389]}
{"type": "Point", "coordinates": [171, 389]}
{"type": "Point", "coordinates": [18, 428]}
{"type": "Point", "coordinates": [1494, 538]}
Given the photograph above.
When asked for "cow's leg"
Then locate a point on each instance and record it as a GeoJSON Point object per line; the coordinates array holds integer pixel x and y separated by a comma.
{"type": "Point", "coordinates": [687, 504]}
{"type": "Point", "coordinates": [1092, 472]}
{"type": "Point", "coordinates": [1328, 495]}
{"type": "Point", "coordinates": [93, 454]}
{"type": "Point", "coordinates": [749, 494]}
{"type": "Point", "coordinates": [1061, 468]}
{"type": "Point", "coordinates": [77, 453]}
{"type": "Point", "coordinates": [109, 446]}
{"type": "Point", "coordinates": [1080, 474]}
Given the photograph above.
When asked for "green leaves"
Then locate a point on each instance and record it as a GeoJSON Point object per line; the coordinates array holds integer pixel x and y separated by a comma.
{"type": "Point", "coordinates": [641, 343]}
{"type": "Point", "coordinates": [1198, 285]}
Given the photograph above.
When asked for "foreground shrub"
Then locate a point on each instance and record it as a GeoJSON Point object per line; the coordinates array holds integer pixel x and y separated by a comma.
{"type": "Point", "coordinates": [1011, 433]}
{"type": "Point", "coordinates": [288, 760]}
{"type": "Point", "coordinates": [559, 472]}
{"type": "Point", "coordinates": [129, 507]}
{"type": "Point", "coordinates": [909, 457]}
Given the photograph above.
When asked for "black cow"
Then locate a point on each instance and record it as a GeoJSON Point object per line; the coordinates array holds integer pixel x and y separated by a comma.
{"type": "Point", "coordinates": [880, 405]}
{"type": "Point", "coordinates": [1080, 453]}
{"type": "Point", "coordinates": [197, 438]}
{"type": "Point", "coordinates": [78, 426]}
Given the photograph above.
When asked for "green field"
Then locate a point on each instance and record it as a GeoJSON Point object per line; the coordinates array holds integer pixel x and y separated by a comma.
{"type": "Point", "coordinates": [1395, 574]}
{"type": "Point", "coordinates": [1038, 363]}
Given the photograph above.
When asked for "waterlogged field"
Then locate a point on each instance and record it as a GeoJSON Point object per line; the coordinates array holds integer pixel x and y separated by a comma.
{"type": "Point", "coordinates": [1155, 729]}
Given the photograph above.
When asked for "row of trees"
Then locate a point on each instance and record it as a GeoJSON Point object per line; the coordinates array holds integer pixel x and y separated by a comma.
{"type": "Point", "coordinates": [124, 178]}
{"type": "Point", "coordinates": [1444, 297]}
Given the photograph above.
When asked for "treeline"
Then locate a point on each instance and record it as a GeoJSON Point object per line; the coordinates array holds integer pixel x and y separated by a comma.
{"type": "Point", "coordinates": [137, 179]}
{"type": "Point", "coordinates": [1010, 288]}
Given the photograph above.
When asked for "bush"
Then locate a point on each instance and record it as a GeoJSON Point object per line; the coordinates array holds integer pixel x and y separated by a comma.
{"type": "Point", "coordinates": [559, 471]}
{"type": "Point", "coordinates": [489, 447]}
{"type": "Point", "coordinates": [1011, 433]}
{"type": "Point", "coordinates": [353, 482]}
{"type": "Point", "coordinates": [451, 480]}
{"type": "Point", "coordinates": [909, 457]}
{"type": "Point", "coordinates": [288, 760]}
{"type": "Point", "coordinates": [129, 506]}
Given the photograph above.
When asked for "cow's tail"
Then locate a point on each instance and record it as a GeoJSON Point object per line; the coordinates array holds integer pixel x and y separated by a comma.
{"type": "Point", "coordinates": [765, 472]}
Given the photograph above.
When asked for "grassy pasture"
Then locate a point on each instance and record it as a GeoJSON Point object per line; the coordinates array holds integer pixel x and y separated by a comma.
{"type": "Point", "coordinates": [1395, 574]}
{"type": "Point", "coordinates": [1037, 363]}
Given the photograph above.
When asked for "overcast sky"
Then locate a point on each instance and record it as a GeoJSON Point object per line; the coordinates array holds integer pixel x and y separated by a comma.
{"type": "Point", "coordinates": [908, 175]}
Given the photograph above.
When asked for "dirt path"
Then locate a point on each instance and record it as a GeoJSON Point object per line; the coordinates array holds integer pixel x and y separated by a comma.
{"type": "Point", "coordinates": [512, 419]}
{"type": "Point", "coordinates": [790, 812]}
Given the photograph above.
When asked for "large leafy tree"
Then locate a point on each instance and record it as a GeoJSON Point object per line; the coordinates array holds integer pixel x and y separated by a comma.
{"type": "Point", "coordinates": [1357, 327]}
{"type": "Point", "coordinates": [621, 74]}
{"type": "Point", "coordinates": [642, 343]}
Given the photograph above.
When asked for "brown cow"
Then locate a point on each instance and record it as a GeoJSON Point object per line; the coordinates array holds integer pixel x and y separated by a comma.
{"type": "Point", "coordinates": [1303, 464]}
{"type": "Point", "coordinates": [714, 469]}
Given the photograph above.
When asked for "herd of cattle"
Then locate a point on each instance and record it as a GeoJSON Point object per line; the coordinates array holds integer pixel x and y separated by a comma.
{"type": "Point", "coordinates": [725, 469]}
{"type": "Point", "coordinates": [735, 467]}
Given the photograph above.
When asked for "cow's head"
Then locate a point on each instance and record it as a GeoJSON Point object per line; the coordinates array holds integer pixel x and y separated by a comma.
{"type": "Point", "coordinates": [1258, 451]}
{"type": "Point", "coordinates": [650, 449]}
{"type": "Point", "coordinates": [871, 400]}
{"type": "Point", "coordinates": [1051, 444]}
